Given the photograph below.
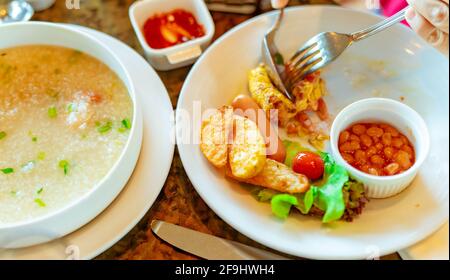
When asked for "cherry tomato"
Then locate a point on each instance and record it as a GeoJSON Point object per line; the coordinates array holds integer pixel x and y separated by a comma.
{"type": "Point", "coordinates": [309, 164]}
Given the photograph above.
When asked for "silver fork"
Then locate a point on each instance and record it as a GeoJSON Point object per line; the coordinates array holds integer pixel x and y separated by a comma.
{"type": "Point", "coordinates": [270, 53]}
{"type": "Point", "coordinates": [325, 47]}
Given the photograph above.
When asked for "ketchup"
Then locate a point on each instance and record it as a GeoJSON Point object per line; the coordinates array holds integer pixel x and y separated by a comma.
{"type": "Point", "coordinates": [169, 29]}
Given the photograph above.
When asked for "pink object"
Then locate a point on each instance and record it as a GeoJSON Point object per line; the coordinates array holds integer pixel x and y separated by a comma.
{"type": "Point", "coordinates": [390, 7]}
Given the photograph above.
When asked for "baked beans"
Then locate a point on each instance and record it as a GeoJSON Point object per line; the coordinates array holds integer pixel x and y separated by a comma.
{"type": "Point", "coordinates": [376, 148]}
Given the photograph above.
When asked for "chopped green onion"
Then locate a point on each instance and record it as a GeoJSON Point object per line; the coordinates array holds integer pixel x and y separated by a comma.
{"type": "Point", "coordinates": [52, 112]}
{"type": "Point", "coordinates": [126, 125]}
{"type": "Point", "coordinates": [105, 128]}
{"type": "Point", "coordinates": [2, 135]}
{"type": "Point", "coordinates": [71, 108]}
{"type": "Point", "coordinates": [7, 170]}
{"type": "Point", "coordinates": [40, 191]}
{"type": "Point", "coordinates": [64, 164]}
{"type": "Point", "coordinates": [41, 156]}
{"type": "Point", "coordinates": [13, 193]}
{"type": "Point", "coordinates": [33, 138]}
{"type": "Point", "coordinates": [40, 202]}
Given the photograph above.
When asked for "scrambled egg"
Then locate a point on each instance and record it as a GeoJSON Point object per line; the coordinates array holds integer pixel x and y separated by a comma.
{"type": "Point", "coordinates": [294, 116]}
{"type": "Point", "coordinates": [307, 94]}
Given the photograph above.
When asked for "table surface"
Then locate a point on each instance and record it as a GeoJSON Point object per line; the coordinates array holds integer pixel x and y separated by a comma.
{"type": "Point", "coordinates": [178, 202]}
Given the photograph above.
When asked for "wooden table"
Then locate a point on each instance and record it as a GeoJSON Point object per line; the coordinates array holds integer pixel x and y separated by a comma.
{"type": "Point", "coordinates": [178, 202]}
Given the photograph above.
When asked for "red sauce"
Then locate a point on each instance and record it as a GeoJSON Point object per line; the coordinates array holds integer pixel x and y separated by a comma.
{"type": "Point", "coordinates": [169, 29]}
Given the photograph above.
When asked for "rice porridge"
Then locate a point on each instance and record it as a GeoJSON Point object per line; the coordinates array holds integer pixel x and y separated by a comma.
{"type": "Point", "coordinates": [65, 118]}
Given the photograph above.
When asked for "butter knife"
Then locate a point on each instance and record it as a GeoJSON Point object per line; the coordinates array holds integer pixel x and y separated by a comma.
{"type": "Point", "coordinates": [208, 246]}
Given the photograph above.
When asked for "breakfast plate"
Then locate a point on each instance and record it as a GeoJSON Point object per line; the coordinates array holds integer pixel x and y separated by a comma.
{"type": "Point", "coordinates": [434, 247]}
{"type": "Point", "coordinates": [146, 182]}
{"type": "Point", "coordinates": [405, 70]}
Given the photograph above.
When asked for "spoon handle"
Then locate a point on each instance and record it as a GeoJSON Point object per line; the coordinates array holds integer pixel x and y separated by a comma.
{"type": "Point", "coordinates": [399, 16]}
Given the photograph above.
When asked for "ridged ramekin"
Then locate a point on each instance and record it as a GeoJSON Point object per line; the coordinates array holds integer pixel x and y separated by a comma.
{"type": "Point", "coordinates": [400, 116]}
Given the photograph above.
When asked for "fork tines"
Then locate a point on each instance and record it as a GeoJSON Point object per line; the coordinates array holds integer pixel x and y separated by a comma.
{"type": "Point", "coordinates": [303, 62]}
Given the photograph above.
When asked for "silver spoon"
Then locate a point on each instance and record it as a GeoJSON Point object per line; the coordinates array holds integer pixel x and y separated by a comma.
{"type": "Point", "coordinates": [17, 10]}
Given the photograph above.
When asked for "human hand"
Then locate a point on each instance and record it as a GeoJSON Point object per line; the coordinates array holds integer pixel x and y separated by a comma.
{"type": "Point", "coordinates": [429, 18]}
{"type": "Point", "coordinates": [278, 4]}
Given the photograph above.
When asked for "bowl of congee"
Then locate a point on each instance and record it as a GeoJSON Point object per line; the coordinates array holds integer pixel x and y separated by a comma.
{"type": "Point", "coordinates": [70, 131]}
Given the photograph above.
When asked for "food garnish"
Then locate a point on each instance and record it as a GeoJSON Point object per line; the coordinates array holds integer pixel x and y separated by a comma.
{"type": "Point", "coordinates": [104, 128]}
{"type": "Point", "coordinates": [7, 170]}
{"type": "Point", "coordinates": [64, 164]}
{"type": "Point", "coordinates": [126, 125]}
{"type": "Point", "coordinates": [39, 202]}
{"type": "Point", "coordinates": [41, 155]}
{"type": "Point", "coordinates": [2, 135]}
{"type": "Point", "coordinates": [52, 112]}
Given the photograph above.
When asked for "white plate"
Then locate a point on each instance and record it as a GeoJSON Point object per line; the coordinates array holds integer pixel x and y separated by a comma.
{"type": "Point", "coordinates": [146, 182]}
{"type": "Point", "coordinates": [413, 70]}
{"type": "Point", "coordinates": [434, 247]}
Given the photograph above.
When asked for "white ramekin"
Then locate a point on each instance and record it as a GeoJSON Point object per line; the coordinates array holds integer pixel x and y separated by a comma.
{"type": "Point", "coordinates": [397, 114]}
{"type": "Point", "coordinates": [82, 210]}
{"type": "Point", "coordinates": [176, 56]}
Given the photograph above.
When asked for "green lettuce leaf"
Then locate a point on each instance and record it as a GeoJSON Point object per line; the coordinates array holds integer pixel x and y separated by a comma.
{"type": "Point", "coordinates": [327, 195]}
{"type": "Point", "coordinates": [306, 200]}
{"type": "Point", "coordinates": [330, 197]}
{"type": "Point", "coordinates": [282, 203]}
{"type": "Point", "coordinates": [265, 195]}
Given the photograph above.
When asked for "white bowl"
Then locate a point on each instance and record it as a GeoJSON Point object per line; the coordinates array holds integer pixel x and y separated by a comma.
{"type": "Point", "coordinates": [176, 56]}
{"type": "Point", "coordinates": [400, 116]}
{"type": "Point", "coordinates": [420, 76]}
{"type": "Point", "coordinates": [81, 211]}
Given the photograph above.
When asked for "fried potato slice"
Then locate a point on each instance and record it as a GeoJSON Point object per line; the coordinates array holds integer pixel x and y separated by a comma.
{"type": "Point", "coordinates": [214, 136]}
{"type": "Point", "coordinates": [277, 176]}
{"type": "Point", "coordinates": [248, 151]}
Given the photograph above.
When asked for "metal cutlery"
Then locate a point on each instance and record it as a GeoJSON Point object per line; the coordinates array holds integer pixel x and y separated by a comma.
{"type": "Point", "coordinates": [269, 53]}
{"type": "Point", "coordinates": [325, 47]}
{"type": "Point", "coordinates": [316, 53]}
{"type": "Point", "coordinates": [208, 246]}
